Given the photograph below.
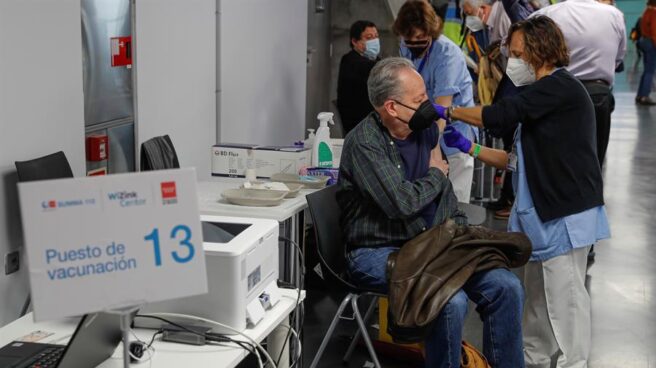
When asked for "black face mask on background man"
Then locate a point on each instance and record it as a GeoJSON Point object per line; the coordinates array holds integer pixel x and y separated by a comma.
{"type": "Point", "coordinates": [424, 116]}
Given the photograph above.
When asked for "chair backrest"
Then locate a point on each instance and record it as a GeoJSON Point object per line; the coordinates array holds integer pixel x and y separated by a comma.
{"type": "Point", "coordinates": [53, 166]}
{"type": "Point", "coordinates": [325, 213]}
{"type": "Point", "coordinates": [158, 153]}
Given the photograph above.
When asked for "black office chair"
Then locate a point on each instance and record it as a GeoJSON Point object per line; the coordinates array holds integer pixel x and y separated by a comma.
{"type": "Point", "coordinates": [331, 249]}
{"type": "Point", "coordinates": [53, 166]}
{"type": "Point", "coordinates": [158, 153]}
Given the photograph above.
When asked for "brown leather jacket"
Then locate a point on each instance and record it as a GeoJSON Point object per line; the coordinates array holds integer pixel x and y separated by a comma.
{"type": "Point", "coordinates": [429, 269]}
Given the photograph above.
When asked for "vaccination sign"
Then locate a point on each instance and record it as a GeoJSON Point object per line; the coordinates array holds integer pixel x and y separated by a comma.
{"type": "Point", "coordinates": [106, 242]}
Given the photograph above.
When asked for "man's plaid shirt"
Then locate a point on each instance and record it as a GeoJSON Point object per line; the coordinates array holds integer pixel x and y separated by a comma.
{"type": "Point", "coordinates": [379, 206]}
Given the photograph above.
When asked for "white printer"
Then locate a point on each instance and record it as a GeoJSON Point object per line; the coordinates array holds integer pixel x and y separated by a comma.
{"type": "Point", "coordinates": [242, 271]}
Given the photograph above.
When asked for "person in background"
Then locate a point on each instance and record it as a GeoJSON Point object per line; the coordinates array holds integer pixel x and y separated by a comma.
{"type": "Point", "coordinates": [392, 187]}
{"type": "Point", "coordinates": [647, 45]}
{"type": "Point", "coordinates": [594, 54]}
{"type": "Point", "coordinates": [497, 21]}
{"type": "Point", "coordinates": [352, 100]}
{"type": "Point", "coordinates": [442, 65]}
{"type": "Point", "coordinates": [473, 13]}
{"type": "Point", "coordinates": [475, 38]}
{"type": "Point", "coordinates": [518, 10]}
{"type": "Point", "coordinates": [559, 189]}
{"type": "Point", "coordinates": [493, 16]}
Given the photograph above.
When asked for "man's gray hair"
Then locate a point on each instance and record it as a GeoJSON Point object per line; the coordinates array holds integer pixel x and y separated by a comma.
{"type": "Point", "coordinates": [383, 83]}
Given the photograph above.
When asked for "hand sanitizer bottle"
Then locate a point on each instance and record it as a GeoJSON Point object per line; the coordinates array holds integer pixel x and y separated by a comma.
{"type": "Point", "coordinates": [322, 152]}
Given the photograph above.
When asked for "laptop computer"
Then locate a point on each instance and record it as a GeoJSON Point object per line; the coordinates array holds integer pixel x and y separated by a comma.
{"type": "Point", "coordinates": [94, 340]}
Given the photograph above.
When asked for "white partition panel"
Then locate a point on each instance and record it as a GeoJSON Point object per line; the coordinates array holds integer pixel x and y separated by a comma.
{"type": "Point", "coordinates": [176, 81]}
{"type": "Point", "coordinates": [262, 70]}
{"type": "Point", "coordinates": [41, 111]}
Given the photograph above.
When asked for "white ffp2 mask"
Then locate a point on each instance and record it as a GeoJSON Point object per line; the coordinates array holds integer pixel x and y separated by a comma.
{"type": "Point", "coordinates": [474, 23]}
{"type": "Point", "coordinates": [520, 72]}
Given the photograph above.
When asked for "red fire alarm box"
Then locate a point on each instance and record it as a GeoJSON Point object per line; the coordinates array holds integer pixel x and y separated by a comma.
{"type": "Point", "coordinates": [97, 172]}
{"type": "Point", "coordinates": [97, 147]}
{"type": "Point", "coordinates": [121, 51]}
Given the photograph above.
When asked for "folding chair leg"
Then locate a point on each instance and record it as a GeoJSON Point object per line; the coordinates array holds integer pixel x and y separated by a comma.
{"type": "Point", "coordinates": [356, 338]}
{"type": "Point", "coordinates": [363, 330]}
{"type": "Point", "coordinates": [331, 329]}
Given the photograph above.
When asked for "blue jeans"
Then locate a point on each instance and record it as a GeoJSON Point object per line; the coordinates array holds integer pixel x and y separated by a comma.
{"type": "Point", "coordinates": [649, 60]}
{"type": "Point", "coordinates": [499, 299]}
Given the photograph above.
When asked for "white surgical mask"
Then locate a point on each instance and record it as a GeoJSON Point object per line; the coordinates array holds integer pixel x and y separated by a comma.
{"type": "Point", "coordinates": [520, 72]}
{"type": "Point", "coordinates": [474, 23]}
{"type": "Point", "coordinates": [372, 49]}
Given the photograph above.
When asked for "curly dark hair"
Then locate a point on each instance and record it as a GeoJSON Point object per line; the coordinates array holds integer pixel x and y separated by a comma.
{"type": "Point", "coordinates": [544, 42]}
{"type": "Point", "coordinates": [420, 15]}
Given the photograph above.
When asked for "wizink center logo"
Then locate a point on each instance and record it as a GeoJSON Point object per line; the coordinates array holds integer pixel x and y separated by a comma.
{"type": "Point", "coordinates": [126, 198]}
{"type": "Point", "coordinates": [169, 195]}
{"type": "Point", "coordinates": [52, 204]}
{"type": "Point", "coordinates": [48, 205]}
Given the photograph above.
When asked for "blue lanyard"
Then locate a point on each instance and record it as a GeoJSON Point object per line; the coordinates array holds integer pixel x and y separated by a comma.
{"type": "Point", "coordinates": [425, 58]}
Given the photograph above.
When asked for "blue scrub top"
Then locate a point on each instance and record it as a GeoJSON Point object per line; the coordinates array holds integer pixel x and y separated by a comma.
{"type": "Point", "coordinates": [445, 74]}
{"type": "Point", "coordinates": [556, 237]}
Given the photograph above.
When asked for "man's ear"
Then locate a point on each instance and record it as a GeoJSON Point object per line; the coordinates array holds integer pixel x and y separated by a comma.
{"type": "Point", "coordinates": [390, 107]}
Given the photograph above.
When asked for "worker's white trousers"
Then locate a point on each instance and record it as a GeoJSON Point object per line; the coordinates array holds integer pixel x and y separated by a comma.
{"type": "Point", "coordinates": [556, 322]}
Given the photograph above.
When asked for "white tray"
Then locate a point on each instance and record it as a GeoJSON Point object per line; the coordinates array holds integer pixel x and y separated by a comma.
{"type": "Point", "coordinates": [294, 189]}
{"type": "Point", "coordinates": [254, 197]}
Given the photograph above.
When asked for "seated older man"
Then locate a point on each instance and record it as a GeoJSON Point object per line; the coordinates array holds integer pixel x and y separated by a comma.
{"type": "Point", "coordinates": [393, 186]}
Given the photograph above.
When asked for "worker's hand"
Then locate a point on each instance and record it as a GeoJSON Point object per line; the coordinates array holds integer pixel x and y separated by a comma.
{"type": "Point", "coordinates": [437, 162]}
{"type": "Point", "coordinates": [441, 110]}
{"type": "Point", "coordinates": [454, 139]}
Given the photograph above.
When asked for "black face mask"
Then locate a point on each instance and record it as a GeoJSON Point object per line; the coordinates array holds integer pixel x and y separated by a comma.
{"type": "Point", "coordinates": [417, 48]}
{"type": "Point", "coordinates": [424, 116]}
{"type": "Point", "coordinates": [416, 51]}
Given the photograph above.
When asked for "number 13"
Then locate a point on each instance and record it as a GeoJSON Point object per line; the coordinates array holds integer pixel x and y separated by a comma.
{"type": "Point", "coordinates": [154, 237]}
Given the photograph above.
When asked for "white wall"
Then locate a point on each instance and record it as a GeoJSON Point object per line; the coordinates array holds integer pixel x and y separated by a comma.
{"type": "Point", "coordinates": [41, 111]}
{"type": "Point", "coordinates": [263, 45]}
{"type": "Point", "coordinates": [176, 83]}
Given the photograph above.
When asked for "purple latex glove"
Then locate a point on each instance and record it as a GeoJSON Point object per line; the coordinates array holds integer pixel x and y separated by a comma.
{"type": "Point", "coordinates": [455, 139]}
{"type": "Point", "coordinates": [441, 110]}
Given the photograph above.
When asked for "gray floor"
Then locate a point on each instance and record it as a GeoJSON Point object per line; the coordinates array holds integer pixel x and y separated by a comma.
{"type": "Point", "coordinates": [622, 280]}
